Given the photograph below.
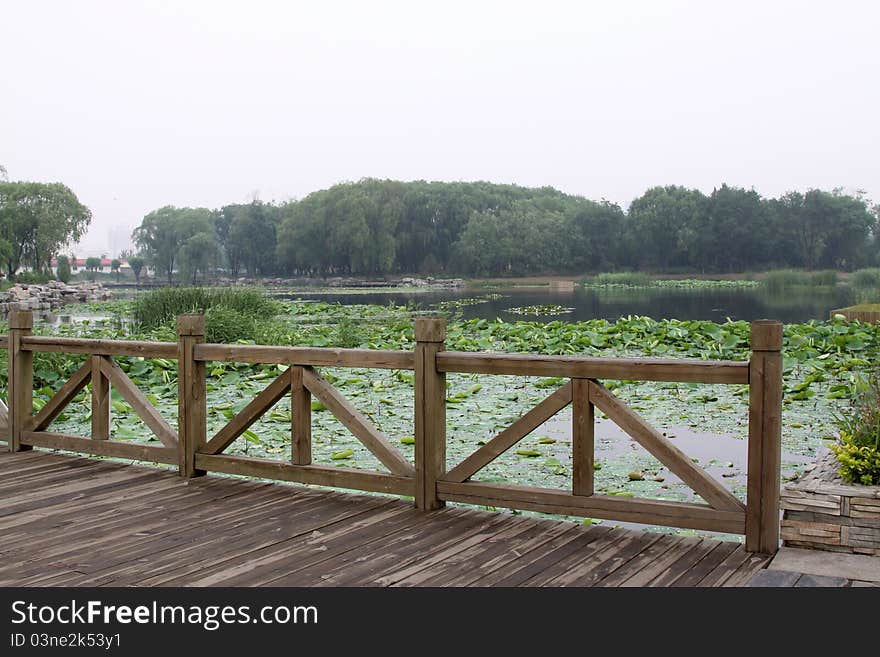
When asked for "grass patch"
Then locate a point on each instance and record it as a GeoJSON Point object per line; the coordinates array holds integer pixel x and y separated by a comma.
{"type": "Point", "coordinates": [223, 308]}
{"type": "Point", "coordinates": [630, 278]}
{"type": "Point", "coordinates": [866, 278]}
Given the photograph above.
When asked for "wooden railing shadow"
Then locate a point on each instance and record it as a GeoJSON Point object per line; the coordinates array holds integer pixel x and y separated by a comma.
{"type": "Point", "coordinates": [427, 480]}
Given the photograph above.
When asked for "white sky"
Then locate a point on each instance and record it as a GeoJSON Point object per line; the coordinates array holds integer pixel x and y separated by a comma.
{"type": "Point", "coordinates": [136, 105]}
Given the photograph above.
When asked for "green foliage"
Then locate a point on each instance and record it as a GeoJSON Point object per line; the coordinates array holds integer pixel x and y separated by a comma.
{"type": "Point", "coordinates": [627, 278]}
{"type": "Point", "coordinates": [63, 269]}
{"type": "Point", "coordinates": [824, 278]}
{"type": "Point", "coordinates": [174, 237]}
{"type": "Point", "coordinates": [347, 335]}
{"type": "Point", "coordinates": [375, 227]}
{"type": "Point", "coordinates": [866, 278]}
{"type": "Point", "coordinates": [858, 450]}
{"type": "Point", "coordinates": [227, 325]}
{"type": "Point", "coordinates": [859, 464]}
{"type": "Point", "coordinates": [36, 221]}
{"type": "Point", "coordinates": [93, 264]}
{"type": "Point", "coordinates": [137, 265]}
{"type": "Point", "coordinates": [162, 306]}
{"type": "Point", "coordinates": [32, 278]}
{"type": "Point", "coordinates": [779, 280]}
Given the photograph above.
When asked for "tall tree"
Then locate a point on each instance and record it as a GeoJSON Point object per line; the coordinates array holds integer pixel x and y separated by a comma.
{"type": "Point", "coordinates": [137, 266]}
{"type": "Point", "coordinates": [36, 221]}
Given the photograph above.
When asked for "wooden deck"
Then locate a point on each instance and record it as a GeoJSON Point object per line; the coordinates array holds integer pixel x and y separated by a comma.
{"type": "Point", "coordinates": [76, 521]}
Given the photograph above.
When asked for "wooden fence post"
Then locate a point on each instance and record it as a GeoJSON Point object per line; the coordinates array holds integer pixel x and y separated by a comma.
{"type": "Point", "coordinates": [20, 378]}
{"type": "Point", "coordinates": [300, 418]}
{"type": "Point", "coordinates": [430, 411]}
{"type": "Point", "coordinates": [192, 405]}
{"type": "Point", "coordinates": [765, 437]}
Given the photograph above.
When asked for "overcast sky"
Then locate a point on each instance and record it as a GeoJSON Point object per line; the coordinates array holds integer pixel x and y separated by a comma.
{"type": "Point", "coordinates": [136, 105]}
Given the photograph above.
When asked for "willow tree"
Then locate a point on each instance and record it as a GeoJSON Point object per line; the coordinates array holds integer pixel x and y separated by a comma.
{"type": "Point", "coordinates": [37, 220]}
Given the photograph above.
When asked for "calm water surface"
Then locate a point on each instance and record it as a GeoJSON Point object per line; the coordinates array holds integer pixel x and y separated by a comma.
{"type": "Point", "coordinates": [717, 304]}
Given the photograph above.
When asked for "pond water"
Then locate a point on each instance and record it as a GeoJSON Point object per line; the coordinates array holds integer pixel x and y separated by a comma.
{"type": "Point", "coordinates": [716, 304]}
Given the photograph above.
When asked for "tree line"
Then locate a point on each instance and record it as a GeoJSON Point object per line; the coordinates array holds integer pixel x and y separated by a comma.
{"type": "Point", "coordinates": [378, 227]}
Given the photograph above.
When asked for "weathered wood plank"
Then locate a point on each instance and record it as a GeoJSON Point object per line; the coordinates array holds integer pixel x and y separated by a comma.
{"type": "Point", "coordinates": [192, 410]}
{"type": "Point", "coordinates": [359, 426]}
{"type": "Point", "coordinates": [487, 453]}
{"type": "Point", "coordinates": [100, 347]}
{"type": "Point", "coordinates": [579, 367]}
{"type": "Point", "coordinates": [663, 450]}
{"type": "Point", "coordinates": [582, 438]}
{"type": "Point", "coordinates": [138, 401]}
{"type": "Point", "coordinates": [430, 411]}
{"type": "Point", "coordinates": [20, 378]}
{"type": "Point", "coordinates": [548, 500]}
{"type": "Point", "coordinates": [267, 398]}
{"type": "Point", "coordinates": [100, 447]}
{"type": "Point", "coordinates": [307, 356]}
{"type": "Point", "coordinates": [379, 482]}
{"type": "Point", "coordinates": [765, 437]}
{"type": "Point", "coordinates": [62, 398]}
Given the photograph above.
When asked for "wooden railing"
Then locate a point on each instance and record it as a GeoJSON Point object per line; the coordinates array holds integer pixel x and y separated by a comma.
{"type": "Point", "coordinates": [427, 480]}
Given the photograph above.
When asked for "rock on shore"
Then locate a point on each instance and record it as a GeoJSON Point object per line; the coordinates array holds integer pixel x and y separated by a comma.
{"type": "Point", "coordinates": [51, 296]}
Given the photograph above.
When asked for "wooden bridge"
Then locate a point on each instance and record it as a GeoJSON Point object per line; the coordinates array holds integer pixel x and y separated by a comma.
{"type": "Point", "coordinates": [70, 520]}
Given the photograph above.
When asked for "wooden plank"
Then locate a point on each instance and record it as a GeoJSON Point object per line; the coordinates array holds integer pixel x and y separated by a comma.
{"type": "Point", "coordinates": [4, 341]}
{"type": "Point", "coordinates": [307, 356]}
{"type": "Point", "coordinates": [62, 398]}
{"type": "Point", "coordinates": [487, 453]}
{"type": "Point", "coordinates": [359, 426]}
{"type": "Point", "coordinates": [607, 542]}
{"type": "Point", "coordinates": [267, 398]}
{"type": "Point", "coordinates": [141, 405]}
{"type": "Point", "coordinates": [663, 450]}
{"type": "Point", "coordinates": [4, 416]}
{"type": "Point", "coordinates": [439, 532]}
{"type": "Point", "coordinates": [548, 500]}
{"type": "Point", "coordinates": [591, 570]}
{"type": "Point", "coordinates": [579, 367]}
{"type": "Point", "coordinates": [20, 378]}
{"type": "Point", "coordinates": [429, 411]}
{"type": "Point", "coordinates": [683, 565]}
{"type": "Point", "coordinates": [366, 480]}
{"type": "Point", "coordinates": [765, 438]}
{"type": "Point", "coordinates": [659, 552]}
{"type": "Point", "coordinates": [582, 438]}
{"type": "Point", "coordinates": [300, 418]}
{"type": "Point", "coordinates": [554, 550]}
{"type": "Point", "coordinates": [460, 567]}
{"type": "Point", "coordinates": [191, 394]}
{"type": "Point", "coordinates": [100, 400]}
{"type": "Point", "coordinates": [722, 572]}
{"type": "Point", "coordinates": [100, 347]}
{"type": "Point", "coordinates": [100, 447]}
{"type": "Point", "coordinates": [695, 574]}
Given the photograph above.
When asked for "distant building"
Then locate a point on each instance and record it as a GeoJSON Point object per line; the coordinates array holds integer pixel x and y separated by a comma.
{"type": "Point", "coordinates": [79, 264]}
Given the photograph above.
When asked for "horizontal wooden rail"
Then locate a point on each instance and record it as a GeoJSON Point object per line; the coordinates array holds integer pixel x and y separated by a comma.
{"type": "Point", "coordinates": [577, 367]}
{"type": "Point", "coordinates": [314, 357]}
{"type": "Point", "coordinates": [4, 342]}
{"type": "Point", "coordinates": [627, 509]}
{"type": "Point", "coordinates": [100, 347]}
{"type": "Point", "coordinates": [117, 448]}
{"type": "Point", "coordinates": [321, 475]}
